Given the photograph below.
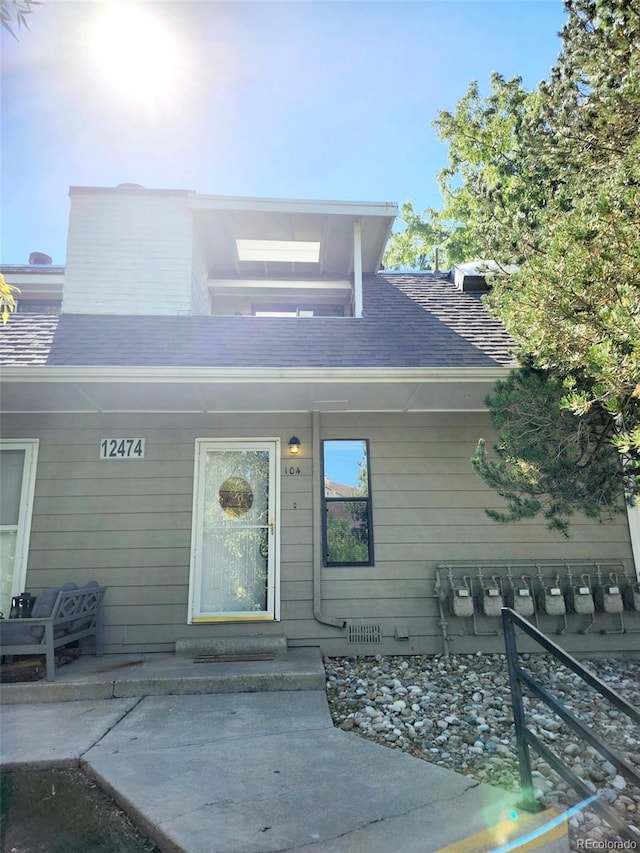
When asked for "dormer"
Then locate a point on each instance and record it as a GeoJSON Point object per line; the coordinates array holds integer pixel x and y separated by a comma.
{"type": "Point", "coordinates": [138, 251]}
{"type": "Point", "coordinates": [279, 257]}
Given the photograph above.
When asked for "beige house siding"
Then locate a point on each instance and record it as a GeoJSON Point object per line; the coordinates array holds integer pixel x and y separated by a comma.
{"type": "Point", "coordinates": [127, 524]}
{"type": "Point", "coordinates": [428, 508]}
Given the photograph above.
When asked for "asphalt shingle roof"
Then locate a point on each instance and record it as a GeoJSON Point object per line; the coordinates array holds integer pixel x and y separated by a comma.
{"type": "Point", "coordinates": [409, 321]}
{"type": "Point", "coordinates": [26, 339]}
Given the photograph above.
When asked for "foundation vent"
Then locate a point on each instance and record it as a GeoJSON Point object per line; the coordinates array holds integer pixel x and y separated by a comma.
{"type": "Point", "coordinates": [365, 634]}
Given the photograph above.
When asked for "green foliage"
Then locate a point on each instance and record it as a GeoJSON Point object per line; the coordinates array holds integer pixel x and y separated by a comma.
{"type": "Point", "coordinates": [550, 180]}
{"type": "Point", "coordinates": [7, 299]}
{"type": "Point", "coordinates": [347, 538]}
{"type": "Point", "coordinates": [575, 304]}
{"type": "Point", "coordinates": [548, 460]}
{"type": "Point", "coordinates": [484, 185]}
{"type": "Point", "coordinates": [479, 184]}
{"type": "Point", "coordinates": [15, 12]}
{"type": "Point", "coordinates": [413, 248]}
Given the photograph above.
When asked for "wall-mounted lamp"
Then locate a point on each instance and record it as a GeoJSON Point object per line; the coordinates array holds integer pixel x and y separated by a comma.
{"type": "Point", "coordinates": [294, 445]}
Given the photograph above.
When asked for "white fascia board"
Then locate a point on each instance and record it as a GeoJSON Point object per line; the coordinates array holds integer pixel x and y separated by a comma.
{"type": "Point", "coordinates": [32, 281]}
{"type": "Point", "coordinates": [284, 205]}
{"type": "Point", "coordinates": [384, 246]}
{"type": "Point", "coordinates": [64, 373]}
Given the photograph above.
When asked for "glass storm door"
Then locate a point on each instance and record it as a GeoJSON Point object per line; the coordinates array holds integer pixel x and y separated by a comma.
{"type": "Point", "coordinates": [17, 481]}
{"type": "Point", "coordinates": [233, 571]}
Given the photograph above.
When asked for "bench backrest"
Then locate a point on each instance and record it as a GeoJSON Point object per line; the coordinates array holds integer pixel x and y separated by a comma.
{"type": "Point", "coordinates": [84, 601]}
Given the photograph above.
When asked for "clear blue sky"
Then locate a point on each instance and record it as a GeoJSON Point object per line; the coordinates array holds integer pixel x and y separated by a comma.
{"type": "Point", "coordinates": [298, 99]}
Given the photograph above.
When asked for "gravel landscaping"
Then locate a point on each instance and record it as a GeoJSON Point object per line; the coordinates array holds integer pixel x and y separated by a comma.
{"type": "Point", "coordinates": [456, 712]}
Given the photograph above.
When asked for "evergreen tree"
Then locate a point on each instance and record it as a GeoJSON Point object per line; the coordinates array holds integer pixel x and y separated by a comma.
{"type": "Point", "coordinates": [550, 180]}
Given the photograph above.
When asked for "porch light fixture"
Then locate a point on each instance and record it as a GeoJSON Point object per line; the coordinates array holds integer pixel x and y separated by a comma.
{"type": "Point", "coordinates": [294, 445]}
{"type": "Point", "coordinates": [300, 251]}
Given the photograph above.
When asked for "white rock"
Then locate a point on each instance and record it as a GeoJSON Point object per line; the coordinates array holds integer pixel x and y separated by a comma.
{"type": "Point", "coordinates": [445, 705]}
{"type": "Point", "coordinates": [608, 796]}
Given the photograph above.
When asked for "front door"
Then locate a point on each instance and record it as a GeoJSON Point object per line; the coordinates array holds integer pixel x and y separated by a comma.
{"type": "Point", "coordinates": [233, 548]}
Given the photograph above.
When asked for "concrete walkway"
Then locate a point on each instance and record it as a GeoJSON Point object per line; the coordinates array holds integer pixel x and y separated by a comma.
{"type": "Point", "coordinates": [258, 772]}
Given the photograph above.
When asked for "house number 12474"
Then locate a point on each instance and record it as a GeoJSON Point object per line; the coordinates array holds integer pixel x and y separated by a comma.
{"type": "Point", "coordinates": [122, 448]}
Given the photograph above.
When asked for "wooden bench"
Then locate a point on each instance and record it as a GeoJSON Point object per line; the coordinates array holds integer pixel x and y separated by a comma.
{"type": "Point", "coordinates": [60, 616]}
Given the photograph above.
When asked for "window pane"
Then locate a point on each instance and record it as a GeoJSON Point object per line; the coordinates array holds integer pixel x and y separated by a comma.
{"type": "Point", "coordinates": [235, 543]}
{"type": "Point", "coordinates": [345, 469]}
{"type": "Point", "coordinates": [7, 559]}
{"type": "Point", "coordinates": [347, 531]}
{"type": "Point", "coordinates": [11, 465]}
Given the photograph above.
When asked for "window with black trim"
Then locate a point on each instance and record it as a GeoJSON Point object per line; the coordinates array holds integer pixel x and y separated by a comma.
{"type": "Point", "coordinates": [346, 499]}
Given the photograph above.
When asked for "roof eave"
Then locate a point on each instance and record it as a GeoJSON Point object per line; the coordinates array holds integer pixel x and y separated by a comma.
{"type": "Point", "coordinates": [91, 373]}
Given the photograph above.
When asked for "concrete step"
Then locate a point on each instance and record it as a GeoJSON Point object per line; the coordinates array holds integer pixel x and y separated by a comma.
{"type": "Point", "coordinates": [122, 676]}
{"type": "Point", "coordinates": [239, 646]}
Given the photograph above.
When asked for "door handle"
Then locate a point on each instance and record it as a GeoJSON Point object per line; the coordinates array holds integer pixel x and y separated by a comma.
{"type": "Point", "coordinates": [272, 527]}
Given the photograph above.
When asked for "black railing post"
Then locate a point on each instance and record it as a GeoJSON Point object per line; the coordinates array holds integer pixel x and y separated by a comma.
{"type": "Point", "coordinates": [529, 802]}
{"type": "Point", "coordinates": [525, 737]}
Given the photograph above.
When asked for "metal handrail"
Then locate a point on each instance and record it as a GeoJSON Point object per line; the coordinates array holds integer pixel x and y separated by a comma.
{"type": "Point", "coordinates": [526, 739]}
